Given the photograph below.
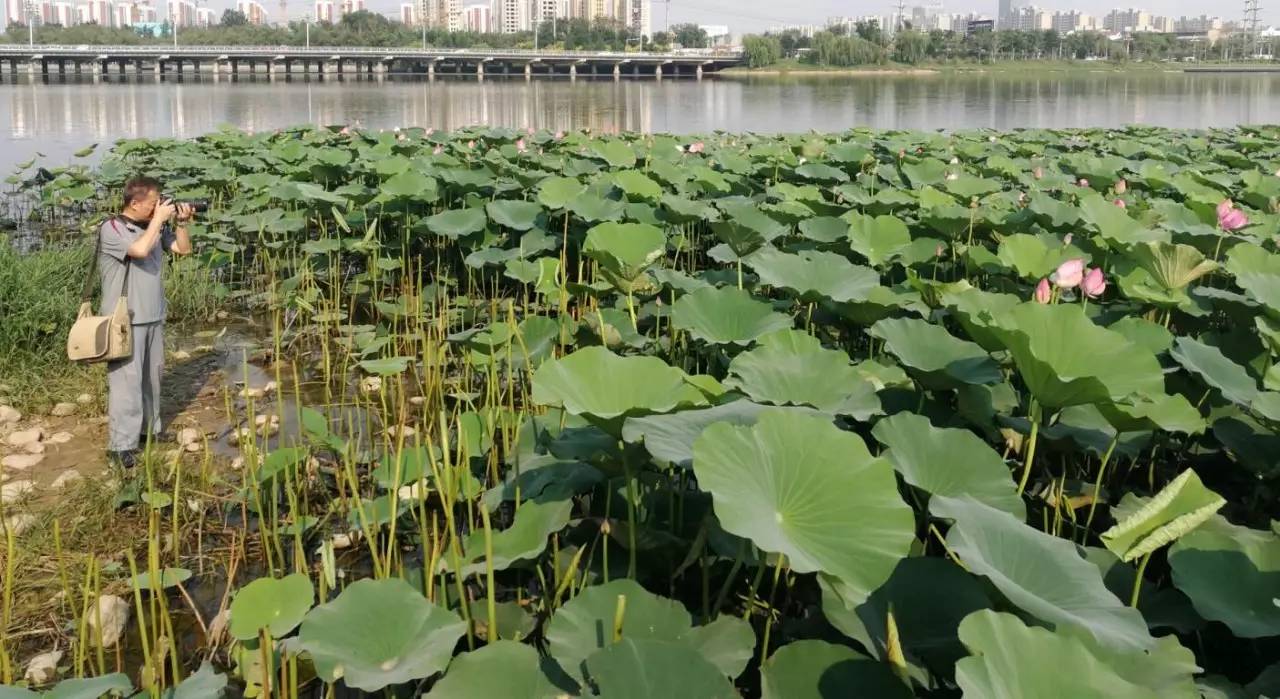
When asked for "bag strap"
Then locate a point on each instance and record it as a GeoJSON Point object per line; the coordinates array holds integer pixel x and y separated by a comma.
{"type": "Point", "coordinates": [86, 295]}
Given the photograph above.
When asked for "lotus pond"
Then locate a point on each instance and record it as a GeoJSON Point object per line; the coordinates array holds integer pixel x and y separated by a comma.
{"type": "Point", "coordinates": [869, 414]}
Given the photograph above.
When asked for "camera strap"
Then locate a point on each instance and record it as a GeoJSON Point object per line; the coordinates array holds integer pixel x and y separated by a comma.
{"type": "Point", "coordinates": [86, 294]}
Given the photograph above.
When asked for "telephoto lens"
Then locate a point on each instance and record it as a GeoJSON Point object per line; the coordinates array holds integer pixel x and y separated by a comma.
{"type": "Point", "coordinates": [198, 206]}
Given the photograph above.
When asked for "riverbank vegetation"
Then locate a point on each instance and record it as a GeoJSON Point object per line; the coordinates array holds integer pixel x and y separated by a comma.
{"type": "Point", "coordinates": [883, 414]}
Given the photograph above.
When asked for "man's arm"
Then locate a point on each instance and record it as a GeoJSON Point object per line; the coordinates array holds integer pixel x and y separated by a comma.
{"type": "Point", "coordinates": [181, 244]}
{"type": "Point", "coordinates": [146, 242]}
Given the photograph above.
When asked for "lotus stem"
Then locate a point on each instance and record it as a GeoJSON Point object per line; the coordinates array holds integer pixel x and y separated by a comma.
{"type": "Point", "coordinates": [1034, 415]}
{"type": "Point", "coordinates": [619, 613]}
{"type": "Point", "coordinates": [490, 598]}
{"type": "Point", "coordinates": [1137, 580]}
{"type": "Point", "coordinates": [1097, 485]}
{"type": "Point", "coordinates": [728, 581]}
{"type": "Point", "coordinates": [768, 619]}
{"type": "Point", "coordinates": [631, 513]}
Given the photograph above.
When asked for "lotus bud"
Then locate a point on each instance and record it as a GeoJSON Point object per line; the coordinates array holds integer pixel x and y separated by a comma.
{"type": "Point", "coordinates": [520, 146]}
{"type": "Point", "coordinates": [937, 252]}
{"type": "Point", "coordinates": [1043, 292]}
{"type": "Point", "coordinates": [1083, 182]}
{"type": "Point", "coordinates": [1120, 203]}
{"type": "Point", "coordinates": [430, 131]}
{"type": "Point", "coordinates": [471, 144]}
{"type": "Point", "coordinates": [1037, 172]}
{"type": "Point", "coordinates": [955, 160]}
{"type": "Point", "coordinates": [438, 150]}
{"type": "Point", "coordinates": [696, 147]}
{"type": "Point", "coordinates": [529, 131]}
{"type": "Point", "coordinates": [1022, 197]}
{"type": "Point", "coordinates": [952, 177]}
{"type": "Point", "coordinates": [559, 135]}
{"type": "Point", "coordinates": [902, 154]}
{"type": "Point", "coordinates": [1069, 274]}
{"type": "Point", "coordinates": [1122, 186]}
{"type": "Point", "coordinates": [1094, 283]}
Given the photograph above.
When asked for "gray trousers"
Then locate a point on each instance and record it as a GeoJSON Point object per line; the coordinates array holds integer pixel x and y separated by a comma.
{"type": "Point", "coordinates": [133, 389]}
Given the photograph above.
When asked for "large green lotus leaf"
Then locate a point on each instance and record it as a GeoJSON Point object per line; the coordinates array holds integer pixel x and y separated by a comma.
{"type": "Point", "coordinates": [378, 633]}
{"type": "Point", "coordinates": [164, 579]}
{"type": "Point", "coordinates": [670, 437]}
{"type": "Point", "coordinates": [652, 669]}
{"type": "Point", "coordinates": [592, 208]}
{"type": "Point", "coordinates": [879, 238]}
{"type": "Point", "coordinates": [1148, 335]}
{"type": "Point", "coordinates": [1172, 266]}
{"type": "Point", "coordinates": [585, 623]}
{"type": "Point", "coordinates": [726, 316]}
{"type": "Point", "coordinates": [410, 184]}
{"type": "Point", "coordinates": [815, 275]}
{"type": "Point", "coordinates": [821, 670]}
{"type": "Point", "coordinates": [793, 368]}
{"type": "Point", "coordinates": [1115, 225]}
{"type": "Point", "coordinates": [115, 684]}
{"type": "Point", "coordinates": [977, 311]}
{"type": "Point", "coordinates": [204, 684]}
{"type": "Point", "coordinates": [268, 603]}
{"type": "Point", "coordinates": [636, 184]}
{"type": "Point", "coordinates": [457, 223]}
{"type": "Point", "coordinates": [1033, 257]}
{"type": "Point", "coordinates": [1041, 574]}
{"type": "Point", "coordinates": [515, 214]}
{"type": "Point", "coordinates": [557, 192]}
{"type": "Point", "coordinates": [1172, 413]}
{"type": "Point", "coordinates": [594, 381]}
{"type": "Point", "coordinates": [1011, 660]}
{"type": "Point", "coordinates": [952, 462]}
{"type": "Point", "coordinates": [624, 250]}
{"type": "Point", "coordinates": [524, 540]}
{"type": "Point", "coordinates": [1232, 575]}
{"type": "Point", "coordinates": [1215, 369]}
{"type": "Point", "coordinates": [797, 485]}
{"type": "Point", "coordinates": [824, 229]}
{"type": "Point", "coordinates": [501, 670]}
{"type": "Point", "coordinates": [939, 359]}
{"type": "Point", "coordinates": [1257, 272]}
{"type": "Point", "coordinates": [1181, 506]}
{"type": "Point", "coordinates": [617, 153]}
{"type": "Point", "coordinates": [727, 642]}
{"type": "Point", "coordinates": [1066, 359]}
{"type": "Point", "coordinates": [746, 228]}
{"type": "Point", "coordinates": [925, 620]}
{"type": "Point", "coordinates": [8, 692]}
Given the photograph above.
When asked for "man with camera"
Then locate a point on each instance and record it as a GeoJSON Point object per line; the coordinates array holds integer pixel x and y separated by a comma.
{"type": "Point", "coordinates": [132, 247]}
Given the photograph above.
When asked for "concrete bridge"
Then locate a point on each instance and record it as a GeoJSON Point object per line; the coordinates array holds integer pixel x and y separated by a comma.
{"type": "Point", "coordinates": [278, 61]}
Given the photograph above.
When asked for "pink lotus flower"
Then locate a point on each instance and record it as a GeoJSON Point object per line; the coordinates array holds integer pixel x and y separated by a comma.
{"type": "Point", "coordinates": [696, 147]}
{"type": "Point", "coordinates": [937, 251]}
{"type": "Point", "coordinates": [1066, 239]}
{"type": "Point", "coordinates": [1038, 172]}
{"type": "Point", "coordinates": [529, 131]}
{"type": "Point", "coordinates": [1230, 218]}
{"type": "Point", "coordinates": [1083, 182]}
{"type": "Point", "coordinates": [1120, 203]}
{"type": "Point", "coordinates": [471, 144]}
{"type": "Point", "coordinates": [438, 150]}
{"type": "Point", "coordinates": [1094, 283]}
{"type": "Point", "coordinates": [1122, 186]}
{"type": "Point", "coordinates": [1043, 292]}
{"type": "Point", "coordinates": [520, 146]}
{"type": "Point", "coordinates": [1022, 197]}
{"type": "Point", "coordinates": [559, 135]}
{"type": "Point", "coordinates": [1069, 274]}
{"type": "Point", "coordinates": [346, 131]}
{"type": "Point", "coordinates": [430, 131]}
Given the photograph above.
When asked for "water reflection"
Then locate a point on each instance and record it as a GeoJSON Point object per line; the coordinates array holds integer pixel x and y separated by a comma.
{"type": "Point", "coordinates": [61, 115]}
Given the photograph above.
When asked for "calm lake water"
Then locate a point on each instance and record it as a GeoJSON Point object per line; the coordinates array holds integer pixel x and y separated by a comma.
{"type": "Point", "coordinates": [57, 118]}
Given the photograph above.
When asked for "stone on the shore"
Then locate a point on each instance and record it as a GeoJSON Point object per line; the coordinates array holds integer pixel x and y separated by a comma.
{"type": "Point", "coordinates": [19, 523]}
{"type": "Point", "coordinates": [413, 491]}
{"type": "Point", "coordinates": [250, 393]}
{"type": "Point", "coordinates": [84, 399]}
{"type": "Point", "coordinates": [270, 387]}
{"type": "Point", "coordinates": [60, 438]}
{"type": "Point", "coordinates": [371, 384]}
{"type": "Point", "coordinates": [9, 415]}
{"type": "Point", "coordinates": [21, 462]}
{"type": "Point", "coordinates": [107, 621]}
{"type": "Point", "coordinates": [15, 491]}
{"type": "Point", "coordinates": [189, 435]}
{"type": "Point", "coordinates": [43, 669]}
{"type": "Point", "coordinates": [34, 448]}
{"type": "Point", "coordinates": [63, 410]}
{"type": "Point", "coordinates": [21, 438]}
{"type": "Point", "coordinates": [417, 400]}
{"type": "Point", "coordinates": [192, 448]}
{"type": "Point", "coordinates": [401, 431]}
{"type": "Point", "coordinates": [65, 479]}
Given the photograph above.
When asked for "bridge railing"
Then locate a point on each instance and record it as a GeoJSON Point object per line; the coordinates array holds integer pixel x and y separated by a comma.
{"type": "Point", "coordinates": [156, 49]}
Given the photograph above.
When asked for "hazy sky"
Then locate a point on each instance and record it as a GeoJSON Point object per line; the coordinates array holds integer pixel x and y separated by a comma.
{"type": "Point", "coordinates": [755, 15]}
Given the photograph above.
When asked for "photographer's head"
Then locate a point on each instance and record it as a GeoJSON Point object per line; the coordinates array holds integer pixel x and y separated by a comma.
{"type": "Point", "coordinates": [141, 195]}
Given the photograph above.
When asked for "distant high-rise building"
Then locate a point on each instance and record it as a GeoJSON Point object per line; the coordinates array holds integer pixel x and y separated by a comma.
{"type": "Point", "coordinates": [1005, 10]}
{"type": "Point", "coordinates": [1028, 19]}
{"type": "Point", "coordinates": [14, 12]}
{"type": "Point", "coordinates": [409, 14]}
{"type": "Point", "coordinates": [511, 16]}
{"type": "Point", "coordinates": [253, 11]}
{"type": "Point", "coordinates": [324, 11]}
{"type": "Point", "coordinates": [1197, 25]}
{"type": "Point", "coordinates": [1073, 21]}
{"type": "Point", "coordinates": [206, 16]}
{"type": "Point", "coordinates": [99, 12]}
{"type": "Point", "coordinates": [1127, 21]}
{"type": "Point", "coordinates": [342, 8]}
{"type": "Point", "coordinates": [441, 14]}
{"type": "Point", "coordinates": [182, 13]}
{"type": "Point", "coordinates": [638, 14]}
{"type": "Point", "coordinates": [64, 14]}
{"type": "Point", "coordinates": [476, 18]}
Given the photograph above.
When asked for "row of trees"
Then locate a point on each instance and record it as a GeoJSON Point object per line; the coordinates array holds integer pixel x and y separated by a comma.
{"type": "Point", "coordinates": [867, 45]}
{"type": "Point", "coordinates": [371, 29]}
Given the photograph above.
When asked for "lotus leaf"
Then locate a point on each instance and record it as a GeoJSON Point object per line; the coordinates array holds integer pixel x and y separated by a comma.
{"type": "Point", "coordinates": [948, 462]}
{"type": "Point", "coordinates": [267, 603]}
{"type": "Point", "coordinates": [815, 275]}
{"type": "Point", "coordinates": [617, 153]}
{"type": "Point", "coordinates": [671, 437]}
{"type": "Point", "coordinates": [204, 684]}
{"type": "Point", "coordinates": [378, 633]}
{"type": "Point", "coordinates": [517, 215]}
{"type": "Point", "coordinates": [1210, 364]}
{"type": "Point", "coordinates": [501, 670]}
{"type": "Point", "coordinates": [637, 185]}
{"type": "Point", "coordinates": [879, 239]}
{"type": "Point", "coordinates": [821, 670]}
{"type": "Point", "coordinates": [628, 670]}
{"type": "Point", "coordinates": [727, 643]}
{"type": "Point", "coordinates": [585, 623]}
{"type": "Point", "coordinates": [624, 250]}
{"type": "Point", "coordinates": [594, 381]}
{"type": "Point", "coordinates": [525, 539]}
{"type": "Point", "coordinates": [1066, 359]}
{"type": "Point", "coordinates": [726, 316]}
{"type": "Point", "coordinates": [557, 192]}
{"type": "Point", "coordinates": [1173, 267]}
{"type": "Point", "coordinates": [115, 684]}
{"type": "Point", "coordinates": [792, 368]}
{"type": "Point", "coordinates": [165, 578]}
{"type": "Point", "coordinates": [938, 358]}
{"type": "Point", "coordinates": [824, 229]}
{"type": "Point", "coordinates": [799, 486]}
{"type": "Point", "coordinates": [1177, 509]}
{"type": "Point", "coordinates": [1040, 573]}
{"type": "Point", "coordinates": [457, 223]}
{"type": "Point", "coordinates": [1232, 575]}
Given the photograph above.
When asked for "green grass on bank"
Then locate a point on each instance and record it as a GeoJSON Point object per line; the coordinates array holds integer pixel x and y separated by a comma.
{"type": "Point", "coordinates": [792, 65]}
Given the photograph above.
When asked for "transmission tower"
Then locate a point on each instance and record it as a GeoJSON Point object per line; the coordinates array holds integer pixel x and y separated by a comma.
{"type": "Point", "coordinates": [1251, 10]}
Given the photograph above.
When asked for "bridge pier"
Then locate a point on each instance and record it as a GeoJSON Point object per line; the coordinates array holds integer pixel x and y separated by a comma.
{"type": "Point", "coordinates": [617, 71]}
{"type": "Point", "coordinates": [698, 72]}
{"type": "Point", "coordinates": [528, 71]}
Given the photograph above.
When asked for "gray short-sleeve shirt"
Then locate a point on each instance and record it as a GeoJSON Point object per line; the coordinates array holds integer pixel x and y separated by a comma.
{"type": "Point", "coordinates": [146, 278]}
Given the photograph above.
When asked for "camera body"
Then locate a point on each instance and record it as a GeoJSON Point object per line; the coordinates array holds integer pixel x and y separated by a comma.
{"type": "Point", "coordinates": [198, 206]}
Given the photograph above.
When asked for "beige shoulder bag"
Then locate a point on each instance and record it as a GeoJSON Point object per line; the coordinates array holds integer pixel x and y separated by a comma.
{"type": "Point", "coordinates": [101, 338]}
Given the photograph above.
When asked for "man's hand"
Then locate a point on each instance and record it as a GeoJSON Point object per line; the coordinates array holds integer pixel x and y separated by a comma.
{"type": "Point", "coordinates": [164, 212]}
{"type": "Point", "coordinates": [185, 212]}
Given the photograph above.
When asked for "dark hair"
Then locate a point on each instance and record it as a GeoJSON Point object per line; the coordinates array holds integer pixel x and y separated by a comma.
{"type": "Point", "coordinates": [138, 187]}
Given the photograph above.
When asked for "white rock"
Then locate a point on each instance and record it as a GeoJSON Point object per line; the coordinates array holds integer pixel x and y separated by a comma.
{"type": "Point", "coordinates": [250, 393]}
{"type": "Point", "coordinates": [35, 448]}
{"type": "Point", "coordinates": [371, 384]}
{"type": "Point", "coordinates": [240, 434]}
{"type": "Point", "coordinates": [21, 462]}
{"type": "Point", "coordinates": [270, 387]}
{"type": "Point", "coordinates": [107, 621]}
{"type": "Point", "coordinates": [63, 410]}
{"type": "Point", "coordinates": [60, 438]}
{"type": "Point", "coordinates": [180, 355]}
{"type": "Point", "coordinates": [9, 415]}
{"type": "Point", "coordinates": [192, 447]}
{"type": "Point", "coordinates": [21, 438]}
{"type": "Point", "coordinates": [84, 399]}
{"type": "Point", "coordinates": [65, 479]}
{"type": "Point", "coordinates": [261, 419]}
{"type": "Point", "coordinates": [237, 463]}
{"type": "Point", "coordinates": [15, 491]}
{"type": "Point", "coordinates": [19, 523]}
{"type": "Point", "coordinates": [189, 435]}
{"type": "Point", "coordinates": [403, 430]}
{"type": "Point", "coordinates": [417, 400]}
{"type": "Point", "coordinates": [413, 491]}
{"type": "Point", "coordinates": [342, 541]}
{"type": "Point", "coordinates": [269, 430]}
{"type": "Point", "coordinates": [43, 669]}
{"type": "Point", "coordinates": [221, 315]}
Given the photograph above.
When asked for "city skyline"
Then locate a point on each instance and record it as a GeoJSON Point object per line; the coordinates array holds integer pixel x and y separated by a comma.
{"type": "Point", "coordinates": [748, 16]}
